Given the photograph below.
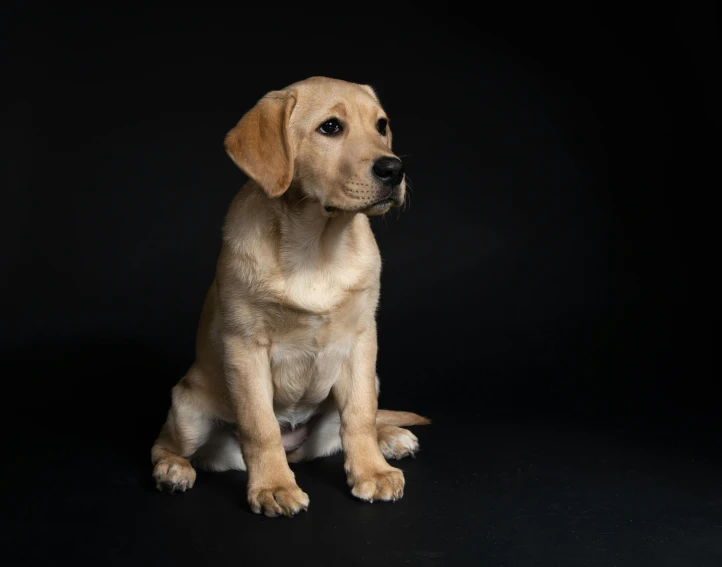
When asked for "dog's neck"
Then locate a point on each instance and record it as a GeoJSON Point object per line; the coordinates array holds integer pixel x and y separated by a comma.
{"type": "Point", "coordinates": [303, 222]}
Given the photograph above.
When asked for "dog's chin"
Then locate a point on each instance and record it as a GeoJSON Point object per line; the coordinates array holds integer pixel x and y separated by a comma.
{"type": "Point", "coordinates": [374, 209]}
{"type": "Point", "coordinates": [381, 207]}
{"type": "Point", "coordinates": [377, 208]}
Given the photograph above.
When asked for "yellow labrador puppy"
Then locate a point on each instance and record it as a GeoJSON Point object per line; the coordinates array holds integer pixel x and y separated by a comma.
{"type": "Point", "coordinates": [285, 366]}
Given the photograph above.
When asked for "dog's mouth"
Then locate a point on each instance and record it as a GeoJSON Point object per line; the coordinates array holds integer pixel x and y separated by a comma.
{"type": "Point", "coordinates": [377, 207]}
{"type": "Point", "coordinates": [386, 203]}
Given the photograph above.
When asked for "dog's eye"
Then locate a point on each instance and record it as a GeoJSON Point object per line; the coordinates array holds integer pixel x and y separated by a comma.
{"type": "Point", "coordinates": [330, 127]}
{"type": "Point", "coordinates": [381, 126]}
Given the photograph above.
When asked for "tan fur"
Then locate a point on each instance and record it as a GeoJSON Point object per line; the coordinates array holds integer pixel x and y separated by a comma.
{"type": "Point", "coordinates": [287, 335]}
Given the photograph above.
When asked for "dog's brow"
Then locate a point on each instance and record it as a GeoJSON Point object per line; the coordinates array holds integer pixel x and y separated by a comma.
{"type": "Point", "coordinates": [338, 108]}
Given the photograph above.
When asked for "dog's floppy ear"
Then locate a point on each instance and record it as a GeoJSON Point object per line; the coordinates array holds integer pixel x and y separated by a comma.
{"type": "Point", "coordinates": [260, 143]}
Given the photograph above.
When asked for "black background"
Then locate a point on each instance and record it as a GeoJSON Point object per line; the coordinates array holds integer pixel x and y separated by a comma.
{"type": "Point", "coordinates": [556, 267]}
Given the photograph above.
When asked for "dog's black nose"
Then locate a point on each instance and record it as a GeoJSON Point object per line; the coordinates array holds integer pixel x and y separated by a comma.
{"type": "Point", "coordinates": [389, 170]}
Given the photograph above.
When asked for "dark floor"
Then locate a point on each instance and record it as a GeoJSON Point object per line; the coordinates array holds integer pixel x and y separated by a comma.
{"type": "Point", "coordinates": [493, 493]}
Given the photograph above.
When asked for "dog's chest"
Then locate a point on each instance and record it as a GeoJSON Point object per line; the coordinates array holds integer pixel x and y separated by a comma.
{"type": "Point", "coordinates": [319, 291]}
{"type": "Point", "coordinates": [309, 353]}
{"type": "Point", "coordinates": [315, 280]}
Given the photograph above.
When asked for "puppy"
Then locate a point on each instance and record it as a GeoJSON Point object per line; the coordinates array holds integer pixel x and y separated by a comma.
{"type": "Point", "coordinates": [285, 367]}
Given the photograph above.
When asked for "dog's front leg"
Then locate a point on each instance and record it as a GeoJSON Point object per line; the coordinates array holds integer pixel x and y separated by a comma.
{"type": "Point", "coordinates": [369, 475]}
{"type": "Point", "coordinates": [272, 488]}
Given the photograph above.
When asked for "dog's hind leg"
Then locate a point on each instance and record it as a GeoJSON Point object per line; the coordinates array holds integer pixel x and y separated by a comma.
{"type": "Point", "coordinates": [186, 429]}
{"type": "Point", "coordinates": [222, 452]}
{"type": "Point", "coordinates": [323, 440]}
{"type": "Point", "coordinates": [395, 442]}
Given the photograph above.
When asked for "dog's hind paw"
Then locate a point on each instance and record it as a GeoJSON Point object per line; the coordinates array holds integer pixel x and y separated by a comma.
{"type": "Point", "coordinates": [174, 475]}
{"type": "Point", "coordinates": [397, 443]}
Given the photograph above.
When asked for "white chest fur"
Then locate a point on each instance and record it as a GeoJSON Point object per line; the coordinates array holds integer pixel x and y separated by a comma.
{"type": "Point", "coordinates": [317, 273]}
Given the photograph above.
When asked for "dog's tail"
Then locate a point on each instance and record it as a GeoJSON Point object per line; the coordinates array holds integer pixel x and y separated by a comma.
{"type": "Point", "coordinates": [400, 418]}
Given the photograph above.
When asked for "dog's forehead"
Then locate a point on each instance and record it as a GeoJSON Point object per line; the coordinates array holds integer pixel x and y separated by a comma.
{"type": "Point", "coordinates": [332, 96]}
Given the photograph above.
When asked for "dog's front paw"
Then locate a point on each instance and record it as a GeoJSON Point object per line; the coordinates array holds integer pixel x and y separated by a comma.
{"type": "Point", "coordinates": [282, 500]}
{"type": "Point", "coordinates": [174, 474]}
{"type": "Point", "coordinates": [386, 484]}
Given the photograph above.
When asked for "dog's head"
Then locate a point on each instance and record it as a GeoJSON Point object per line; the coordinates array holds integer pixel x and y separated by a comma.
{"type": "Point", "coordinates": [328, 139]}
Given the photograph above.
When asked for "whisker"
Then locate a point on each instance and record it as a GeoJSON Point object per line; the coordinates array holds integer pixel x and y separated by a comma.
{"type": "Point", "coordinates": [409, 184]}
